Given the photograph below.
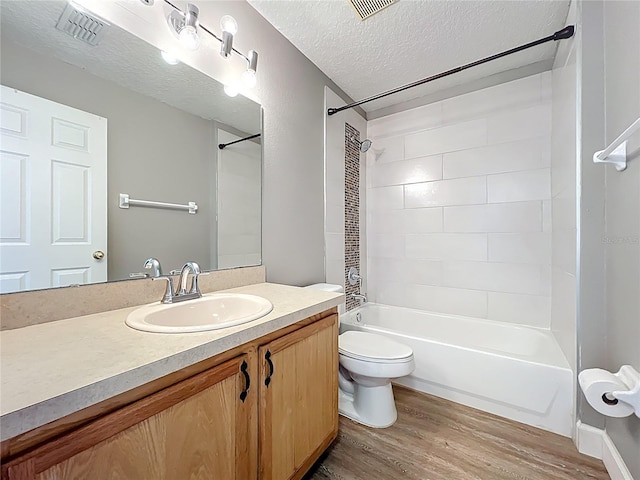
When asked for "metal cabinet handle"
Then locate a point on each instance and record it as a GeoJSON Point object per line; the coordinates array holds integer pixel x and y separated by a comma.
{"type": "Point", "coordinates": [267, 357]}
{"type": "Point", "coordinates": [247, 381]}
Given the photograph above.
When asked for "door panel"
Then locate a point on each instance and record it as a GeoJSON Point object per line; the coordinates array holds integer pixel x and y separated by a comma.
{"type": "Point", "coordinates": [53, 179]}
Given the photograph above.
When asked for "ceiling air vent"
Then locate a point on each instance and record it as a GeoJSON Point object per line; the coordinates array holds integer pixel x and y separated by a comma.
{"type": "Point", "coordinates": [366, 8]}
{"type": "Point", "coordinates": [82, 25]}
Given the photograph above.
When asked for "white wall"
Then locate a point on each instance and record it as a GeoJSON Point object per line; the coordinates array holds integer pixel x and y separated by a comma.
{"type": "Point", "coordinates": [291, 90]}
{"type": "Point", "coordinates": [335, 188]}
{"type": "Point", "coordinates": [238, 201]}
{"type": "Point", "coordinates": [459, 204]}
{"type": "Point", "coordinates": [564, 156]}
{"type": "Point", "coordinates": [622, 210]}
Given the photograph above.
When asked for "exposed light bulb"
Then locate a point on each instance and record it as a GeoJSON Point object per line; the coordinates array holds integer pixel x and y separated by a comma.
{"type": "Point", "coordinates": [249, 78]}
{"type": "Point", "coordinates": [189, 37]}
{"type": "Point", "coordinates": [229, 24]}
{"type": "Point", "coordinates": [231, 90]}
{"type": "Point", "coordinates": [169, 58]}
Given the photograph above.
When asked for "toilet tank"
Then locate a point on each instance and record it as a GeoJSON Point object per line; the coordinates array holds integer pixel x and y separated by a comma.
{"type": "Point", "coordinates": [327, 287]}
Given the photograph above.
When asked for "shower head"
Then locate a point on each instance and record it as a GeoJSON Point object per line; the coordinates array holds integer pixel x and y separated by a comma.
{"type": "Point", "coordinates": [363, 146]}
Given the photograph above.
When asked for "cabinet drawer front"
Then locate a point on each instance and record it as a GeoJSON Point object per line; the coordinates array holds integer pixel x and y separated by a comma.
{"type": "Point", "coordinates": [196, 429]}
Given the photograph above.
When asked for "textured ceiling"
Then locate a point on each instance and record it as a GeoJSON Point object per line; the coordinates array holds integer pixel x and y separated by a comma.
{"type": "Point", "coordinates": [413, 39]}
{"type": "Point", "coordinates": [127, 61]}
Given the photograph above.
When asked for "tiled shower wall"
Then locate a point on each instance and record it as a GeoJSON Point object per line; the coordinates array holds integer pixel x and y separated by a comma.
{"type": "Point", "coordinates": [458, 205]}
{"type": "Point", "coordinates": [339, 157]}
{"type": "Point", "coordinates": [351, 210]}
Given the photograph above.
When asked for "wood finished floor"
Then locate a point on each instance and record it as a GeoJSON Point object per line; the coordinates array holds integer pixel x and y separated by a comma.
{"type": "Point", "coordinates": [435, 439]}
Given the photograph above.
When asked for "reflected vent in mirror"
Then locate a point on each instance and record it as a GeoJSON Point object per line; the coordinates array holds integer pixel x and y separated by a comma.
{"type": "Point", "coordinates": [366, 8]}
{"type": "Point", "coordinates": [81, 24]}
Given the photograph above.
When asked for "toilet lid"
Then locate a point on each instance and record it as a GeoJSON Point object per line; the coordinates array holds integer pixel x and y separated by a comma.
{"type": "Point", "coordinates": [365, 345]}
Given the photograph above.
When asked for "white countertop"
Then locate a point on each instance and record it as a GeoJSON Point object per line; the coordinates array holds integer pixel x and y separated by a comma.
{"type": "Point", "coordinates": [51, 370]}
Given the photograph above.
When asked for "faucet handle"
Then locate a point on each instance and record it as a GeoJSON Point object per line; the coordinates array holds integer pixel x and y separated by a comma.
{"type": "Point", "coordinates": [168, 292]}
{"type": "Point", "coordinates": [138, 275]}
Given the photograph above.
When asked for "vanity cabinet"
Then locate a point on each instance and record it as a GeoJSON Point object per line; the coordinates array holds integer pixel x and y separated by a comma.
{"type": "Point", "coordinates": [298, 399]}
{"type": "Point", "coordinates": [199, 428]}
{"type": "Point", "coordinates": [267, 410]}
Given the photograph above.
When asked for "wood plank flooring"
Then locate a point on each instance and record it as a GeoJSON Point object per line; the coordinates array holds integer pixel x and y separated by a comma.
{"type": "Point", "coordinates": [435, 439]}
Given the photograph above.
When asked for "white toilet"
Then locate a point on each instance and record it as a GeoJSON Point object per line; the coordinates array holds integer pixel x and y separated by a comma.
{"type": "Point", "coordinates": [368, 363]}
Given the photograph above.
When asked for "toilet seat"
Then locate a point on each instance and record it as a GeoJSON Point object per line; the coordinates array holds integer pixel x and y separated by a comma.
{"type": "Point", "coordinates": [373, 348]}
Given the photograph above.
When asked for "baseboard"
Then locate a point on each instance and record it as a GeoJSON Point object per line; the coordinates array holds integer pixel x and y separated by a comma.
{"type": "Point", "coordinates": [589, 440]}
{"type": "Point", "coordinates": [597, 443]}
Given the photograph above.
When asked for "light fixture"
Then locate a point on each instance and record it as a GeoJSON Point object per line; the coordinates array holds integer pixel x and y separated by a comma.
{"type": "Point", "coordinates": [249, 76]}
{"type": "Point", "coordinates": [169, 58]}
{"type": "Point", "coordinates": [185, 26]}
{"type": "Point", "coordinates": [231, 90]}
{"type": "Point", "coordinates": [229, 29]}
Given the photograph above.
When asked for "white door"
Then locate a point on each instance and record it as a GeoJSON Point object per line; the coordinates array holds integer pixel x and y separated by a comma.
{"type": "Point", "coordinates": [53, 190]}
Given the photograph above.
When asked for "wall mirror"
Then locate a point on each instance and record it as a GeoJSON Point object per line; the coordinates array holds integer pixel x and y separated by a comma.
{"type": "Point", "coordinates": [87, 130]}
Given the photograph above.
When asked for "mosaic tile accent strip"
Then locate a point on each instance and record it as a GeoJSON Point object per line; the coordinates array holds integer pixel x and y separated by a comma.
{"type": "Point", "coordinates": [351, 210]}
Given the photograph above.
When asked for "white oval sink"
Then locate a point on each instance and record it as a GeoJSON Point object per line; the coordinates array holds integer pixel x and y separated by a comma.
{"type": "Point", "coordinates": [210, 312]}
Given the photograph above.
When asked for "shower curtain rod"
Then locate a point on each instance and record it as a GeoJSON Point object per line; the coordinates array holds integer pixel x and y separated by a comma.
{"type": "Point", "coordinates": [566, 32]}
{"type": "Point", "coordinates": [222, 145]}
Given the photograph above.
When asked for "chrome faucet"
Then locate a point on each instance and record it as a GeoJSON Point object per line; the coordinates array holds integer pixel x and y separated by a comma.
{"type": "Point", "coordinates": [359, 296]}
{"type": "Point", "coordinates": [171, 296]}
{"type": "Point", "coordinates": [154, 265]}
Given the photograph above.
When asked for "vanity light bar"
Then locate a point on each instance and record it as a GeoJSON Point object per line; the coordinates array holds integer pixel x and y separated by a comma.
{"type": "Point", "coordinates": [229, 28]}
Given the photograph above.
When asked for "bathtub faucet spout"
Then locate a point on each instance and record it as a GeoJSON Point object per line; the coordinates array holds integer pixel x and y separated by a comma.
{"type": "Point", "coordinates": [359, 296]}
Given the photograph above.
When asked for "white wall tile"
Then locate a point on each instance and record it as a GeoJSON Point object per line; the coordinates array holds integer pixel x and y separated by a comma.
{"type": "Point", "coordinates": [455, 301]}
{"type": "Point", "coordinates": [516, 156]}
{"type": "Point", "coordinates": [532, 310]}
{"type": "Point", "coordinates": [334, 212]}
{"type": "Point", "coordinates": [564, 250]}
{"type": "Point", "coordinates": [386, 246]}
{"type": "Point", "coordinates": [335, 272]}
{"type": "Point", "coordinates": [498, 217]}
{"type": "Point", "coordinates": [459, 191]}
{"type": "Point", "coordinates": [532, 248]}
{"type": "Point", "coordinates": [547, 218]}
{"type": "Point", "coordinates": [447, 246]}
{"type": "Point", "coordinates": [415, 220]}
{"type": "Point", "coordinates": [385, 198]}
{"type": "Point", "coordinates": [516, 125]}
{"type": "Point", "coordinates": [417, 170]}
{"type": "Point", "coordinates": [488, 101]}
{"type": "Point", "coordinates": [496, 277]}
{"type": "Point", "coordinates": [420, 118]}
{"type": "Point", "coordinates": [334, 246]}
{"type": "Point", "coordinates": [446, 139]}
{"type": "Point", "coordinates": [519, 186]}
{"type": "Point", "coordinates": [385, 150]}
{"type": "Point", "coordinates": [473, 221]}
{"type": "Point", "coordinates": [397, 270]}
{"type": "Point", "coordinates": [389, 293]}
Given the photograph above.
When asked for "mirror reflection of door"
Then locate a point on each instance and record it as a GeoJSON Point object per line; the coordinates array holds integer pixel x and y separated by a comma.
{"type": "Point", "coordinates": [239, 202]}
{"type": "Point", "coordinates": [53, 182]}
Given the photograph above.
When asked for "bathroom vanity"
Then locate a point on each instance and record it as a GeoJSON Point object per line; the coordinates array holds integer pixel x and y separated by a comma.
{"type": "Point", "coordinates": [253, 401]}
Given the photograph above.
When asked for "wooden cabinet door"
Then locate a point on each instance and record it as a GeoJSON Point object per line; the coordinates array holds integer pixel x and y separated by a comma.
{"type": "Point", "coordinates": [201, 428]}
{"type": "Point", "coordinates": [298, 399]}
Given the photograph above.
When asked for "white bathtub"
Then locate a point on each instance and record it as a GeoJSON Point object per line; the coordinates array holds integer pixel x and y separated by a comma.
{"type": "Point", "coordinates": [513, 371]}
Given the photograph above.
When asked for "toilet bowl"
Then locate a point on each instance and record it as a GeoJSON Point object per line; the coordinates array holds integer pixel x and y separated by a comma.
{"type": "Point", "coordinates": [368, 363]}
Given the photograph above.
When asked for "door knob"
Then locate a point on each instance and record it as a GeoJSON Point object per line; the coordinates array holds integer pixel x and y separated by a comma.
{"type": "Point", "coordinates": [98, 254]}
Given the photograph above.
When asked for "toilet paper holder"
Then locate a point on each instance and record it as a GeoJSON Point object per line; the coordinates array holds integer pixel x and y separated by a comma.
{"type": "Point", "coordinates": [631, 378]}
{"type": "Point", "coordinates": [630, 396]}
